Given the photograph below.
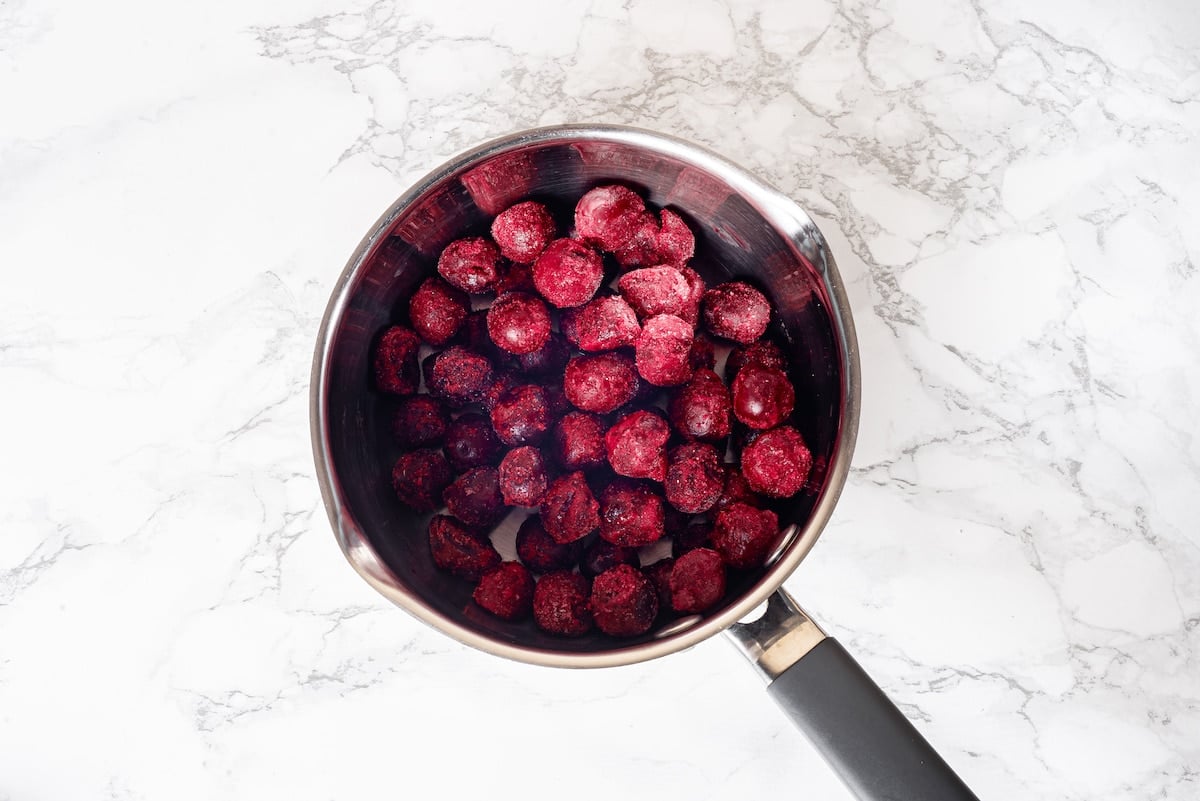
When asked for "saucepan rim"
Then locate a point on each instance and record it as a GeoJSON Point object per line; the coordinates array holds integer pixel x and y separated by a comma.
{"type": "Point", "coordinates": [793, 223]}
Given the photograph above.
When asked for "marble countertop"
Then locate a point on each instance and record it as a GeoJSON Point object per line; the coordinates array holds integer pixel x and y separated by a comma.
{"type": "Point", "coordinates": [1012, 190]}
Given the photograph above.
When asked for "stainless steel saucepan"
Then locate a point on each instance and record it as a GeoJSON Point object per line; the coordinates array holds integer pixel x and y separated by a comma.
{"type": "Point", "coordinates": [744, 228]}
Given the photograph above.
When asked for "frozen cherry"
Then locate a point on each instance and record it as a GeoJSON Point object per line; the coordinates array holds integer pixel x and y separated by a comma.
{"type": "Point", "coordinates": [474, 497]}
{"type": "Point", "coordinates": [473, 335]}
{"type": "Point", "coordinates": [763, 353]}
{"type": "Point", "coordinates": [420, 478]}
{"type": "Point", "coordinates": [540, 552]}
{"type": "Point", "coordinates": [647, 395]}
{"type": "Point", "coordinates": [744, 535]}
{"type": "Point", "coordinates": [506, 591]}
{"type": "Point", "coordinates": [700, 409]}
{"type": "Point", "coordinates": [675, 243]}
{"type": "Point", "coordinates": [602, 555]}
{"type": "Point", "coordinates": [696, 290]}
{"type": "Point", "coordinates": [521, 415]}
{"type": "Point", "coordinates": [420, 420]}
{"type": "Point", "coordinates": [471, 442]}
{"type": "Point", "coordinates": [703, 355]}
{"type": "Point", "coordinates": [631, 514]}
{"type": "Point", "coordinates": [523, 231]}
{"type": "Point", "coordinates": [655, 290]}
{"type": "Point", "coordinates": [457, 375]}
{"type": "Point", "coordinates": [762, 396]}
{"type": "Point", "coordinates": [697, 581]}
{"type": "Point", "coordinates": [568, 273]}
{"type": "Point", "coordinates": [609, 216]}
{"type": "Point", "coordinates": [579, 441]}
{"type": "Point", "coordinates": [568, 324]}
{"type": "Point", "coordinates": [437, 310]}
{"type": "Point", "coordinates": [395, 361]}
{"type": "Point", "coordinates": [605, 323]}
{"type": "Point", "coordinates": [560, 604]}
{"type": "Point", "coordinates": [636, 445]}
{"type": "Point", "coordinates": [500, 384]}
{"type": "Point", "coordinates": [777, 462]}
{"type": "Point", "coordinates": [663, 350]}
{"type": "Point", "coordinates": [600, 383]}
{"type": "Point", "coordinates": [518, 323]}
{"type": "Point", "coordinates": [549, 359]}
{"type": "Point", "coordinates": [569, 510]}
{"type": "Point", "coordinates": [556, 401]}
{"type": "Point", "coordinates": [624, 602]}
{"type": "Point", "coordinates": [737, 311]}
{"type": "Point", "coordinates": [516, 278]}
{"type": "Point", "coordinates": [736, 489]}
{"type": "Point", "coordinates": [642, 248]}
{"type": "Point", "coordinates": [695, 477]}
{"type": "Point", "coordinates": [523, 480]}
{"type": "Point", "coordinates": [472, 264]}
{"type": "Point", "coordinates": [460, 550]}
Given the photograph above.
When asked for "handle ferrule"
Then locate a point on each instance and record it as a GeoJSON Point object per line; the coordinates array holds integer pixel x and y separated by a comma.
{"type": "Point", "coordinates": [778, 638]}
{"type": "Point", "coordinates": [868, 742]}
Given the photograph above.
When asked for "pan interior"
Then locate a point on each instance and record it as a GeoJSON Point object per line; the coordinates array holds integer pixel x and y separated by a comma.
{"type": "Point", "coordinates": [734, 238]}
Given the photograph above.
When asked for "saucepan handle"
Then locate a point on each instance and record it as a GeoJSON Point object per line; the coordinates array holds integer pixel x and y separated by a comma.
{"type": "Point", "coordinates": [860, 733]}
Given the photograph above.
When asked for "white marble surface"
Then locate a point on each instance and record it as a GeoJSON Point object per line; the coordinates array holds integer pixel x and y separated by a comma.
{"type": "Point", "coordinates": [1012, 189]}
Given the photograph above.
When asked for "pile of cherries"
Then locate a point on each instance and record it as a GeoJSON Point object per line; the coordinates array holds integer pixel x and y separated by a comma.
{"type": "Point", "coordinates": [599, 408]}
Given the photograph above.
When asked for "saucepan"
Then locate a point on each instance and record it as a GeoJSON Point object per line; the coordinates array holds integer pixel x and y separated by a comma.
{"type": "Point", "coordinates": [744, 228]}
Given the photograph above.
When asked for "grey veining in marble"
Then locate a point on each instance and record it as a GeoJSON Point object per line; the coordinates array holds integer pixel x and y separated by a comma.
{"type": "Point", "coordinates": [1012, 189]}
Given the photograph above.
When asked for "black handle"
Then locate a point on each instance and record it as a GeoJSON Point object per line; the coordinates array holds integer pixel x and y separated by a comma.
{"type": "Point", "coordinates": [863, 736]}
